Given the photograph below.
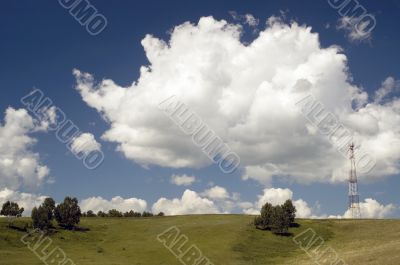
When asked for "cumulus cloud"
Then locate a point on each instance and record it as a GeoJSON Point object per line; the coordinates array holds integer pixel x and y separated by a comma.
{"type": "Point", "coordinates": [371, 208]}
{"type": "Point", "coordinates": [85, 143]}
{"type": "Point", "coordinates": [216, 192]}
{"type": "Point", "coordinates": [19, 165]}
{"type": "Point", "coordinates": [189, 203]}
{"type": "Point", "coordinates": [277, 196]}
{"type": "Point", "coordinates": [183, 180]}
{"type": "Point", "coordinates": [124, 205]}
{"type": "Point", "coordinates": [25, 200]}
{"type": "Point", "coordinates": [247, 95]}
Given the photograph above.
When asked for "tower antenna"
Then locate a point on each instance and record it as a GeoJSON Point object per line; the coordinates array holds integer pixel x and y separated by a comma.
{"type": "Point", "coordinates": [354, 198]}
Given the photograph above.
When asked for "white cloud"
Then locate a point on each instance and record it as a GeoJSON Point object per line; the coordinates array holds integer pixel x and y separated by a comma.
{"type": "Point", "coordinates": [356, 30]}
{"type": "Point", "coordinates": [246, 94]}
{"type": "Point", "coordinates": [124, 205]}
{"type": "Point", "coordinates": [85, 143]}
{"type": "Point", "coordinates": [371, 208]}
{"type": "Point", "coordinates": [190, 203]}
{"type": "Point", "coordinates": [216, 192]}
{"type": "Point", "coordinates": [277, 196]}
{"type": "Point", "coordinates": [183, 180]}
{"type": "Point", "coordinates": [25, 200]}
{"type": "Point", "coordinates": [389, 85]}
{"type": "Point", "coordinates": [19, 165]}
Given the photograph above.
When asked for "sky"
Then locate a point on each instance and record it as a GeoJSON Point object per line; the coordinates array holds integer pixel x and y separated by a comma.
{"type": "Point", "coordinates": [241, 67]}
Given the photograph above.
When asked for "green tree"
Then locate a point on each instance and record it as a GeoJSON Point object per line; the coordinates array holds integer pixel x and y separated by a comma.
{"type": "Point", "coordinates": [147, 214]}
{"type": "Point", "coordinates": [11, 210]}
{"type": "Point", "coordinates": [266, 216]}
{"type": "Point", "coordinates": [40, 218]}
{"type": "Point", "coordinates": [114, 213]}
{"type": "Point", "coordinates": [101, 214]}
{"type": "Point", "coordinates": [68, 213]}
{"type": "Point", "coordinates": [90, 213]}
{"type": "Point", "coordinates": [49, 205]}
{"type": "Point", "coordinates": [290, 210]}
{"type": "Point", "coordinates": [280, 220]}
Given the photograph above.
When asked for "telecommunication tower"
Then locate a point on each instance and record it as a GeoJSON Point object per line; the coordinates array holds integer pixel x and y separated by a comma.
{"type": "Point", "coordinates": [354, 198]}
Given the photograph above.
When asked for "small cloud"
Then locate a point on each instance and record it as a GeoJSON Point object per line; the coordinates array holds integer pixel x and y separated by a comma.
{"type": "Point", "coordinates": [388, 86]}
{"type": "Point", "coordinates": [85, 143]}
{"type": "Point", "coordinates": [247, 19]}
{"type": "Point", "coordinates": [216, 192]}
{"type": "Point", "coordinates": [251, 20]}
{"type": "Point", "coordinates": [182, 180]}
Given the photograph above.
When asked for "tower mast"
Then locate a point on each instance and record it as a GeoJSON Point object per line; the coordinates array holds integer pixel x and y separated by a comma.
{"type": "Point", "coordinates": [354, 198]}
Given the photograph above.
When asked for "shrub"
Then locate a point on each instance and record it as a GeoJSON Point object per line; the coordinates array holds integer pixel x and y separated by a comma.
{"type": "Point", "coordinates": [68, 213]}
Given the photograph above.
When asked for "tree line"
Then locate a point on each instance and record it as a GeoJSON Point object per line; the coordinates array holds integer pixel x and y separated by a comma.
{"type": "Point", "coordinates": [67, 214]}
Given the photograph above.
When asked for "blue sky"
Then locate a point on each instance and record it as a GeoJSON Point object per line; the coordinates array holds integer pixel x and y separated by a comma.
{"type": "Point", "coordinates": [41, 44]}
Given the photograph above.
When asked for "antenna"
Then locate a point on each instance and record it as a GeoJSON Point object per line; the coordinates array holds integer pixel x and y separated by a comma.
{"type": "Point", "coordinates": [354, 198]}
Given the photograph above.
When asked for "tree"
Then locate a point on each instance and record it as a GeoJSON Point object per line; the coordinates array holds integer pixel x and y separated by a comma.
{"type": "Point", "coordinates": [49, 205]}
{"type": "Point", "coordinates": [280, 220]}
{"type": "Point", "coordinates": [276, 218]}
{"type": "Point", "coordinates": [147, 214]}
{"type": "Point", "coordinates": [266, 216]}
{"type": "Point", "coordinates": [90, 213]}
{"type": "Point", "coordinates": [132, 213]}
{"type": "Point", "coordinates": [114, 213]}
{"type": "Point", "coordinates": [160, 214]}
{"type": "Point", "coordinates": [11, 210]}
{"type": "Point", "coordinates": [101, 214]}
{"type": "Point", "coordinates": [68, 213]}
{"type": "Point", "coordinates": [290, 210]}
{"type": "Point", "coordinates": [40, 218]}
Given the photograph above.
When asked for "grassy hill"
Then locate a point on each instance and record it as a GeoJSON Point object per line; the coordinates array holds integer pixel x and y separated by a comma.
{"type": "Point", "coordinates": [223, 239]}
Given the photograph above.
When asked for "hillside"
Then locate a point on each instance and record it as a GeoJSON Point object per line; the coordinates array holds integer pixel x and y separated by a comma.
{"type": "Point", "coordinates": [224, 239]}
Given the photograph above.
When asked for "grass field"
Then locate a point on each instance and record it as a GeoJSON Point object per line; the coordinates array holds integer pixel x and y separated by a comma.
{"type": "Point", "coordinates": [223, 239]}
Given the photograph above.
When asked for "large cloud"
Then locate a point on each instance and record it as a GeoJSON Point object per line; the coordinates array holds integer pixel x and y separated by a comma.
{"type": "Point", "coordinates": [124, 205]}
{"type": "Point", "coordinates": [247, 95]}
{"type": "Point", "coordinates": [19, 165]}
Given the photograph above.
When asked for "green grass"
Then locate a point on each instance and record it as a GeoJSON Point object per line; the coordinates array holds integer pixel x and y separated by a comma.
{"type": "Point", "coordinates": [224, 239]}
